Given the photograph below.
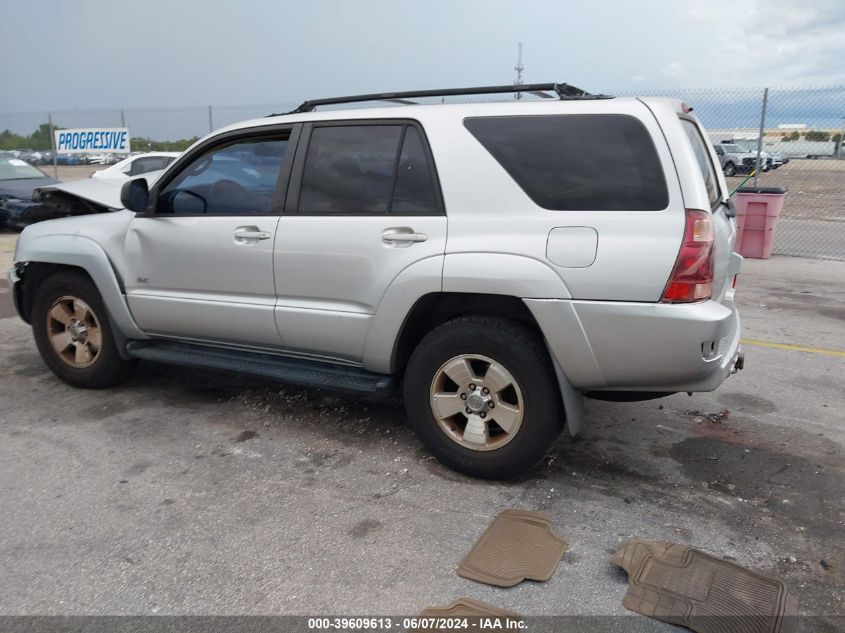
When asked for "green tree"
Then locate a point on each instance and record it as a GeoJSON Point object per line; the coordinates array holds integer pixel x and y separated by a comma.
{"type": "Point", "coordinates": [817, 135]}
{"type": "Point", "coordinates": [143, 144]}
{"type": "Point", "coordinates": [792, 136]}
{"type": "Point", "coordinates": [39, 139]}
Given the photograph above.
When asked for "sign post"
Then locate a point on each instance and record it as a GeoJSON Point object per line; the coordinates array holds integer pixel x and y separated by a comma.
{"type": "Point", "coordinates": [53, 143]}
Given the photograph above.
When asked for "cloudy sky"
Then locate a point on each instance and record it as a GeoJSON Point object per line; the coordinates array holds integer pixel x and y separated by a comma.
{"type": "Point", "coordinates": [68, 54]}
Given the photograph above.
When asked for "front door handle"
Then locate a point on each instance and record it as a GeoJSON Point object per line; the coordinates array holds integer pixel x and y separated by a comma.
{"type": "Point", "coordinates": [402, 235]}
{"type": "Point", "coordinates": [249, 234]}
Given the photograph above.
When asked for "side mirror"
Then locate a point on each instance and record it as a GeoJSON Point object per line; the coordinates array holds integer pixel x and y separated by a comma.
{"type": "Point", "coordinates": [135, 195]}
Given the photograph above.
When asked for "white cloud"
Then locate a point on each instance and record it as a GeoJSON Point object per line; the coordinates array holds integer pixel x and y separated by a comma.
{"type": "Point", "coordinates": [673, 71]}
{"type": "Point", "coordinates": [772, 42]}
{"type": "Point", "coordinates": [697, 14]}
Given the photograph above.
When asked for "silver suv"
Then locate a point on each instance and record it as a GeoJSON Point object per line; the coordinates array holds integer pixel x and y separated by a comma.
{"type": "Point", "coordinates": [737, 159]}
{"type": "Point", "coordinates": [498, 261]}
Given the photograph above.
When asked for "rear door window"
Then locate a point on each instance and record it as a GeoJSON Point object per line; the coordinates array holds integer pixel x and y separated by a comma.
{"type": "Point", "coordinates": [702, 159]}
{"type": "Point", "coordinates": [577, 162]}
{"type": "Point", "coordinates": [367, 169]}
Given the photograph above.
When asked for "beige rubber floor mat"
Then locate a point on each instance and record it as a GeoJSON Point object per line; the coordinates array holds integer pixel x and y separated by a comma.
{"type": "Point", "coordinates": [518, 545]}
{"type": "Point", "coordinates": [468, 608]}
{"type": "Point", "coordinates": [680, 585]}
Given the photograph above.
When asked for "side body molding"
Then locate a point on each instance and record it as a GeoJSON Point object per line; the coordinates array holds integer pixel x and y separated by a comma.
{"type": "Point", "coordinates": [85, 253]}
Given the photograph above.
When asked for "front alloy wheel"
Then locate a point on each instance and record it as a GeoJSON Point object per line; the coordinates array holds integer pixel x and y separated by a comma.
{"type": "Point", "coordinates": [74, 332]}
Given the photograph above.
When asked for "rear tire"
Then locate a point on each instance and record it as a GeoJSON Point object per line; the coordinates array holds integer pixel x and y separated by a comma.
{"type": "Point", "coordinates": [481, 394]}
{"type": "Point", "coordinates": [73, 334]}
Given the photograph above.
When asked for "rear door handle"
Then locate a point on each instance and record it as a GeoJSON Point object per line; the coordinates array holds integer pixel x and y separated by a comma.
{"type": "Point", "coordinates": [245, 234]}
{"type": "Point", "coordinates": [403, 234]}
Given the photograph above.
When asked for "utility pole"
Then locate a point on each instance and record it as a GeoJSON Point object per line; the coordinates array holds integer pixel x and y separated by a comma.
{"type": "Point", "coordinates": [757, 163]}
{"type": "Point", "coordinates": [53, 145]}
{"type": "Point", "coordinates": [519, 68]}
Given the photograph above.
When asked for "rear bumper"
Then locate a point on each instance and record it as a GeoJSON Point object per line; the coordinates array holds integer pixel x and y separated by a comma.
{"type": "Point", "coordinates": [623, 346]}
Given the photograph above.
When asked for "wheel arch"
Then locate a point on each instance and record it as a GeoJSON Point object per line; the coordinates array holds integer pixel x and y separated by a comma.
{"type": "Point", "coordinates": [434, 309]}
{"type": "Point", "coordinates": [42, 256]}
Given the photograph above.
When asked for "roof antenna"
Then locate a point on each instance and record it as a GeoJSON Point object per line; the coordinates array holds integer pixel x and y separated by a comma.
{"type": "Point", "coordinates": [519, 68]}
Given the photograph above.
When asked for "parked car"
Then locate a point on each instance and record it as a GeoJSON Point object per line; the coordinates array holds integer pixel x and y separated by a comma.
{"type": "Point", "coordinates": [69, 159]}
{"type": "Point", "coordinates": [29, 156]}
{"type": "Point", "coordinates": [770, 160]}
{"type": "Point", "coordinates": [46, 158]}
{"type": "Point", "coordinates": [18, 179]}
{"type": "Point", "coordinates": [136, 165]}
{"type": "Point", "coordinates": [498, 260]}
{"type": "Point", "coordinates": [734, 159]}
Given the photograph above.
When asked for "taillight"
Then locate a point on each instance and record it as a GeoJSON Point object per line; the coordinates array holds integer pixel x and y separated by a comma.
{"type": "Point", "coordinates": [692, 277]}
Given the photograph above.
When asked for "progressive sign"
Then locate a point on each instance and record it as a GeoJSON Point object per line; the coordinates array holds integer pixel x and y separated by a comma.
{"type": "Point", "coordinates": [93, 140]}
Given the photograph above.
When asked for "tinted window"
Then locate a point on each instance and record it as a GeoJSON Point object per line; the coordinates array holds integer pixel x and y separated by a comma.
{"type": "Point", "coordinates": [363, 169]}
{"type": "Point", "coordinates": [414, 193]}
{"type": "Point", "coordinates": [349, 169]}
{"type": "Point", "coordinates": [591, 162]}
{"type": "Point", "coordinates": [237, 179]}
{"type": "Point", "coordinates": [148, 164]}
{"type": "Point", "coordinates": [702, 159]}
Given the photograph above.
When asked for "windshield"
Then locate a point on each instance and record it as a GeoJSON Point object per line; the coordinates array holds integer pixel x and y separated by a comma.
{"type": "Point", "coordinates": [16, 169]}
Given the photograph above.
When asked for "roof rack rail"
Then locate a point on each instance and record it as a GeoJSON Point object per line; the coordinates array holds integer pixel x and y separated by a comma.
{"type": "Point", "coordinates": [563, 91]}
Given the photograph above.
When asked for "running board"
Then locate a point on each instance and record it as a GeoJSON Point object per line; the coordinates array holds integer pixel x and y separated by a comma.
{"type": "Point", "coordinates": [294, 371]}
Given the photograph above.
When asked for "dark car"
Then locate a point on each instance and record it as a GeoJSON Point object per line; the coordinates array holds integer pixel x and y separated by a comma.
{"type": "Point", "coordinates": [17, 181]}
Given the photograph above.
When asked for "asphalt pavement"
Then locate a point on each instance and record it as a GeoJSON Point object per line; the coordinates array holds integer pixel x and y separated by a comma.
{"type": "Point", "coordinates": [191, 492]}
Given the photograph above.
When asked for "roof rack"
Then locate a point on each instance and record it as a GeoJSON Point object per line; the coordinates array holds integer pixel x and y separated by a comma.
{"type": "Point", "coordinates": [563, 91]}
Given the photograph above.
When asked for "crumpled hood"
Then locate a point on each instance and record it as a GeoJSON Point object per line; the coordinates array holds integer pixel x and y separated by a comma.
{"type": "Point", "coordinates": [102, 191]}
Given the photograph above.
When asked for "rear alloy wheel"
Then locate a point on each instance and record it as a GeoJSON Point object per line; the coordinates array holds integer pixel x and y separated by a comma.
{"type": "Point", "coordinates": [481, 394]}
{"type": "Point", "coordinates": [477, 402]}
{"type": "Point", "coordinates": [73, 334]}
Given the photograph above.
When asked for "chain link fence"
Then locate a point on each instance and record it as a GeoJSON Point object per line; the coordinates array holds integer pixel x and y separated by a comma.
{"type": "Point", "coordinates": [801, 147]}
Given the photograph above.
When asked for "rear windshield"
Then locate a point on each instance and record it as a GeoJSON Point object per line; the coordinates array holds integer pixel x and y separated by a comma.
{"type": "Point", "coordinates": [702, 159]}
{"type": "Point", "coordinates": [577, 162]}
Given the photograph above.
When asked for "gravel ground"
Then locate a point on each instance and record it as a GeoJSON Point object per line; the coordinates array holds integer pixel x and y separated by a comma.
{"type": "Point", "coordinates": [815, 188]}
{"type": "Point", "coordinates": [188, 492]}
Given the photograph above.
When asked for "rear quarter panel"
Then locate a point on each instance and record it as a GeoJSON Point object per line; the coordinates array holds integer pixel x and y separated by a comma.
{"type": "Point", "coordinates": [490, 213]}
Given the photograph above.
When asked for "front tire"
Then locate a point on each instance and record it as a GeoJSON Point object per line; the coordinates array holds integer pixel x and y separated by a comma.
{"type": "Point", "coordinates": [482, 396]}
{"type": "Point", "coordinates": [73, 334]}
{"type": "Point", "coordinates": [730, 169]}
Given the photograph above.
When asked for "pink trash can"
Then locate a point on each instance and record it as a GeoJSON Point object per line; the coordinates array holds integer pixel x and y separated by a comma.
{"type": "Point", "coordinates": [757, 213]}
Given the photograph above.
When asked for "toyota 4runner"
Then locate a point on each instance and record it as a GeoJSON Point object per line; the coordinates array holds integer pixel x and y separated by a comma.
{"type": "Point", "coordinates": [497, 260]}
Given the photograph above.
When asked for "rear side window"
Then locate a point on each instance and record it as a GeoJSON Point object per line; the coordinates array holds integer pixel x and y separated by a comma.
{"type": "Point", "coordinates": [367, 169]}
{"type": "Point", "coordinates": [414, 192]}
{"type": "Point", "coordinates": [702, 158]}
{"type": "Point", "coordinates": [577, 162]}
